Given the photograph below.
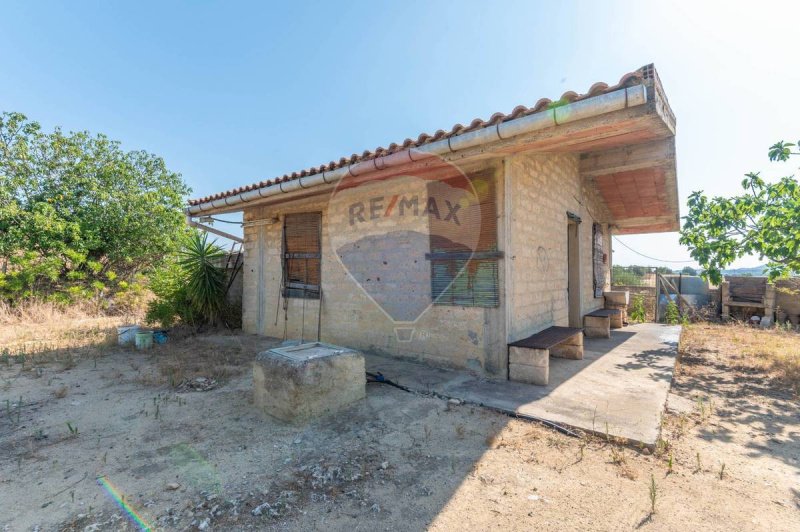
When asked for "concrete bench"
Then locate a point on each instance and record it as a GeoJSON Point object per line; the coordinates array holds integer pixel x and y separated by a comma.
{"type": "Point", "coordinates": [598, 324]}
{"type": "Point", "coordinates": [529, 359]}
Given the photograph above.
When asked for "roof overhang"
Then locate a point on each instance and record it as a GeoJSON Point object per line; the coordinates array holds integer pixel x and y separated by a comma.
{"type": "Point", "coordinates": [624, 138]}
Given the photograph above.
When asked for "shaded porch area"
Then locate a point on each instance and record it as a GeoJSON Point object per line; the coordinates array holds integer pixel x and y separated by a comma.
{"type": "Point", "coordinates": [620, 386]}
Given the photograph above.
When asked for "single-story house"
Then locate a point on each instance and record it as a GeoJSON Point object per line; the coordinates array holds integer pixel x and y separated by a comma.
{"type": "Point", "coordinates": [448, 247]}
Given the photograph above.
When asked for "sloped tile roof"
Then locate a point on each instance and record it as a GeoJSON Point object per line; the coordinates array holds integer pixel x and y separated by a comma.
{"type": "Point", "coordinates": [629, 79]}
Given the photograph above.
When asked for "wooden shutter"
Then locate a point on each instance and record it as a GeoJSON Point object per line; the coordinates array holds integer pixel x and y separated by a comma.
{"type": "Point", "coordinates": [598, 268]}
{"type": "Point", "coordinates": [302, 254]}
{"type": "Point", "coordinates": [461, 275]}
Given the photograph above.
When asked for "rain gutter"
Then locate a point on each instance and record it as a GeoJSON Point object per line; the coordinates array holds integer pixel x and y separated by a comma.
{"type": "Point", "coordinates": [588, 108]}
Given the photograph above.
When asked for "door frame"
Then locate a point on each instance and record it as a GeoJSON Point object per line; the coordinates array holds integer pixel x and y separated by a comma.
{"type": "Point", "coordinates": [574, 270]}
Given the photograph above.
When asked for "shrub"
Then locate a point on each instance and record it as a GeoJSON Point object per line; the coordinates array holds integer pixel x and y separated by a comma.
{"type": "Point", "coordinates": [638, 312]}
{"type": "Point", "coordinates": [672, 316]}
{"type": "Point", "coordinates": [191, 287]}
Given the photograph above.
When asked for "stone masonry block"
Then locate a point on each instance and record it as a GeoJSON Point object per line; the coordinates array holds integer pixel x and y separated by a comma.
{"type": "Point", "coordinates": [616, 297]}
{"type": "Point", "coordinates": [563, 350]}
{"type": "Point", "coordinates": [597, 332]}
{"type": "Point", "coordinates": [596, 321]}
{"type": "Point", "coordinates": [576, 340]}
{"type": "Point", "coordinates": [301, 382]}
{"type": "Point", "coordinates": [539, 375]}
{"type": "Point", "coordinates": [528, 357]}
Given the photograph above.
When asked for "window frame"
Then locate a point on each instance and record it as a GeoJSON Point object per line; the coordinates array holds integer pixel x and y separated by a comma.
{"type": "Point", "coordinates": [598, 265]}
{"type": "Point", "coordinates": [299, 290]}
{"type": "Point", "coordinates": [469, 263]}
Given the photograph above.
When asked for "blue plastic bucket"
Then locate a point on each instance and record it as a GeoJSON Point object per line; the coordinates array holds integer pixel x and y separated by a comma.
{"type": "Point", "coordinates": [160, 337]}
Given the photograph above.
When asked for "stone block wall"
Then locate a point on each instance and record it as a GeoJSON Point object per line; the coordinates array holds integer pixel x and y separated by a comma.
{"type": "Point", "coordinates": [363, 311]}
{"type": "Point", "coordinates": [545, 187]}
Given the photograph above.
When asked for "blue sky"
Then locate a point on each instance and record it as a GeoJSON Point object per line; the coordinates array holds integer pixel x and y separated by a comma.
{"type": "Point", "coordinates": [235, 92]}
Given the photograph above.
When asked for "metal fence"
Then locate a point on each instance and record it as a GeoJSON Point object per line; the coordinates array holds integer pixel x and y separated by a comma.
{"type": "Point", "coordinates": [658, 286]}
{"type": "Point", "coordinates": [635, 275]}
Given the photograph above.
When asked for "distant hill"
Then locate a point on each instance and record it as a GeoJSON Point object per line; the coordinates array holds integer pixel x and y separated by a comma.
{"type": "Point", "coordinates": [755, 271]}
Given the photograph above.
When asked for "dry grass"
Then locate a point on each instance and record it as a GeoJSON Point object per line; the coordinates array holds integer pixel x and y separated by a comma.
{"type": "Point", "coordinates": [214, 356]}
{"type": "Point", "coordinates": [772, 351]}
{"type": "Point", "coordinates": [42, 312]}
{"type": "Point", "coordinates": [40, 333]}
{"type": "Point", "coordinates": [36, 333]}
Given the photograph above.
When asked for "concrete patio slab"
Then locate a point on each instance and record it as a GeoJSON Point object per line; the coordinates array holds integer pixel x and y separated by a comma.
{"type": "Point", "coordinates": [620, 386]}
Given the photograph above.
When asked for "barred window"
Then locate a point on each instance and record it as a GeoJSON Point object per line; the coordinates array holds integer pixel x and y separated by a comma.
{"type": "Point", "coordinates": [302, 255]}
{"type": "Point", "coordinates": [598, 267]}
{"type": "Point", "coordinates": [461, 275]}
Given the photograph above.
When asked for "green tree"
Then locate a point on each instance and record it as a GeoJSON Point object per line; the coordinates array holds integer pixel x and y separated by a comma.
{"type": "Point", "coordinates": [78, 213]}
{"type": "Point", "coordinates": [688, 270]}
{"type": "Point", "coordinates": [763, 221]}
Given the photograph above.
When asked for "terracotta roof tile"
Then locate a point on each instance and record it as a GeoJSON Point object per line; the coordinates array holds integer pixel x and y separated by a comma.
{"type": "Point", "coordinates": [631, 78]}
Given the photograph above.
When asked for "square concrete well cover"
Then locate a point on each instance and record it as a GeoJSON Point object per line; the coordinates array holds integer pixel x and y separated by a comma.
{"type": "Point", "coordinates": [303, 381]}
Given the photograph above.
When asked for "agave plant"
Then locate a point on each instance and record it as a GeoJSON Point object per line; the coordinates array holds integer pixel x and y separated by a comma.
{"type": "Point", "coordinates": [205, 278]}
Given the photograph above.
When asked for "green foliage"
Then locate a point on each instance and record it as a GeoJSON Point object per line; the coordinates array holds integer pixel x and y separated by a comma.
{"type": "Point", "coordinates": [78, 215]}
{"type": "Point", "coordinates": [634, 275]}
{"type": "Point", "coordinates": [688, 270]}
{"type": "Point", "coordinates": [672, 316]}
{"type": "Point", "coordinates": [205, 278]}
{"type": "Point", "coordinates": [763, 221]}
{"type": "Point", "coordinates": [191, 287]}
{"type": "Point", "coordinates": [638, 313]}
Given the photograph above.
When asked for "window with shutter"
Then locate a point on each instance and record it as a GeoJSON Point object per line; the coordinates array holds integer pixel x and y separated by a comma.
{"type": "Point", "coordinates": [598, 268]}
{"type": "Point", "coordinates": [302, 255]}
{"type": "Point", "coordinates": [460, 275]}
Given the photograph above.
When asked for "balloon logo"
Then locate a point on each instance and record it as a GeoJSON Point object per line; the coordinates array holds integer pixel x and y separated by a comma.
{"type": "Point", "coordinates": [403, 237]}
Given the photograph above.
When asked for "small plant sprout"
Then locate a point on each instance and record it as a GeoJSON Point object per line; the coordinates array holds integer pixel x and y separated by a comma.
{"type": "Point", "coordinates": [722, 470]}
{"type": "Point", "coordinates": [653, 494]}
{"type": "Point", "coordinates": [73, 430]}
{"type": "Point", "coordinates": [701, 408]}
{"type": "Point", "coordinates": [669, 464]}
{"type": "Point", "coordinates": [699, 465]}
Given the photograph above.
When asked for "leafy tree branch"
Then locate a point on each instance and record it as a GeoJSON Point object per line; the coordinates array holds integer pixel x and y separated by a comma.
{"type": "Point", "coordinates": [764, 220]}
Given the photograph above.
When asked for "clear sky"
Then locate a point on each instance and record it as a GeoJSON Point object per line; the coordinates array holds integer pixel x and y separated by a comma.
{"type": "Point", "coordinates": [231, 93]}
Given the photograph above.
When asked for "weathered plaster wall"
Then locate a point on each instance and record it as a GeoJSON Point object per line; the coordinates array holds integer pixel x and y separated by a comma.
{"type": "Point", "coordinates": [462, 337]}
{"type": "Point", "coordinates": [545, 187]}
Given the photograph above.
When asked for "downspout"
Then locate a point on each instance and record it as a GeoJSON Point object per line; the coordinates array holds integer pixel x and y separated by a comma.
{"type": "Point", "coordinates": [588, 108]}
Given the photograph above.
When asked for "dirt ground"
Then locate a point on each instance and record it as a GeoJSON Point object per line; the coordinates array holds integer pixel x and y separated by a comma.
{"type": "Point", "coordinates": [76, 431]}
